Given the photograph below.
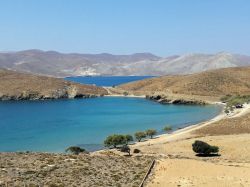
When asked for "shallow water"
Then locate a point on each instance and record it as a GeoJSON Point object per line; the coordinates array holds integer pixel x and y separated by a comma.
{"type": "Point", "coordinates": [54, 125]}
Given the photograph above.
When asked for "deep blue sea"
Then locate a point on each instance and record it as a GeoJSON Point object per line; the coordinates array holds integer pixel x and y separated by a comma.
{"type": "Point", "coordinates": [54, 125]}
{"type": "Point", "coordinates": [106, 80]}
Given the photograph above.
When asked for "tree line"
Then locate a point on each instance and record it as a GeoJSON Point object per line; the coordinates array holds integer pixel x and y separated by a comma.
{"type": "Point", "coordinates": [120, 140]}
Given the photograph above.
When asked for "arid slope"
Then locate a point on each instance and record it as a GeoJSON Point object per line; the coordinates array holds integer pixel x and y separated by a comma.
{"type": "Point", "coordinates": [61, 170]}
{"type": "Point", "coordinates": [21, 86]}
{"type": "Point", "coordinates": [214, 83]}
{"type": "Point", "coordinates": [179, 165]}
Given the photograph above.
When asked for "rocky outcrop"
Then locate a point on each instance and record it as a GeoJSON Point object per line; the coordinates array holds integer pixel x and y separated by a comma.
{"type": "Point", "coordinates": [20, 86]}
{"type": "Point", "coordinates": [37, 96]}
{"type": "Point", "coordinates": [165, 100]}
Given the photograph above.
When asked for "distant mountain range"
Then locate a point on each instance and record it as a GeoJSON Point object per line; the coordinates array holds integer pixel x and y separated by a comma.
{"type": "Point", "coordinates": [57, 64]}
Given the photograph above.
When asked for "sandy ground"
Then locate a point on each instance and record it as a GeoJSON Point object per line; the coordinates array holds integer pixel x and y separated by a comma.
{"type": "Point", "coordinates": [187, 132]}
{"type": "Point", "coordinates": [177, 165]}
{"type": "Point", "coordinates": [186, 172]}
{"type": "Point", "coordinates": [114, 92]}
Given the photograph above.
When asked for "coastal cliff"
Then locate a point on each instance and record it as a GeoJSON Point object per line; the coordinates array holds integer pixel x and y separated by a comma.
{"type": "Point", "coordinates": [22, 86]}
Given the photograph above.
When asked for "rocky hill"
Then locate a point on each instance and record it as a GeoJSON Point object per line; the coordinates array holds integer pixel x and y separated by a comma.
{"type": "Point", "coordinates": [213, 83]}
{"type": "Point", "coordinates": [21, 86]}
{"type": "Point", "coordinates": [57, 64]}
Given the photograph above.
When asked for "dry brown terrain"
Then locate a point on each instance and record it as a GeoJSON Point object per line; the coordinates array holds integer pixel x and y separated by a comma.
{"type": "Point", "coordinates": [17, 86]}
{"type": "Point", "coordinates": [60, 170]}
{"type": "Point", "coordinates": [177, 164]}
{"type": "Point", "coordinates": [181, 167]}
{"type": "Point", "coordinates": [207, 85]}
{"type": "Point", "coordinates": [227, 126]}
{"type": "Point", "coordinates": [186, 172]}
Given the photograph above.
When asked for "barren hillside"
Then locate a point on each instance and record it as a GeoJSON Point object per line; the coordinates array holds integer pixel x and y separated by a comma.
{"type": "Point", "coordinates": [20, 86]}
{"type": "Point", "coordinates": [214, 83]}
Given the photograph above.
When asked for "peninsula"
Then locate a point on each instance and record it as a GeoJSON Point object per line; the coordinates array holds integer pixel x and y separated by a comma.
{"type": "Point", "coordinates": [24, 86]}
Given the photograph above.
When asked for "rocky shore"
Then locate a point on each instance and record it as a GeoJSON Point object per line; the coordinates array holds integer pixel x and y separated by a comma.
{"type": "Point", "coordinates": [168, 100]}
{"type": "Point", "coordinates": [57, 94]}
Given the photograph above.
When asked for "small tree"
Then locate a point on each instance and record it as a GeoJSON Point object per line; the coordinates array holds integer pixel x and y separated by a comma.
{"type": "Point", "coordinates": [128, 138]}
{"type": "Point", "coordinates": [125, 93]}
{"type": "Point", "coordinates": [125, 149]}
{"type": "Point", "coordinates": [140, 135]}
{"type": "Point", "coordinates": [167, 128]}
{"type": "Point", "coordinates": [204, 148]}
{"type": "Point", "coordinates": [151, 132]}
{"type": "Point", "coordinates": [75, 150]}
{"type": "Point", "coordinates": [115, 140]}
{"type": "Point", "coordinates": [137, 151]}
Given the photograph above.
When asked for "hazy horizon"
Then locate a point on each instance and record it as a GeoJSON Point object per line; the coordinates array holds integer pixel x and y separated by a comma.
{"type": "Point", "coordinates": [147, 52]}
{"type": "Point", "coordinates": [160, 27]}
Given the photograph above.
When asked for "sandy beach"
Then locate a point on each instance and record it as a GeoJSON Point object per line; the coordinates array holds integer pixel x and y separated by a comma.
{"type": "Point", "coordinates": [177, 165]}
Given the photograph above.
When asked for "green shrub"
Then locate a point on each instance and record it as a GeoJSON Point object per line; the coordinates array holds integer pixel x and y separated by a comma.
{"type": "Point", "coordinates": [167, 128]}
{"type": "Point", "coordinates": [151, 132]}
{"type": "Point", "coordinates": [115, 140]}
{"type": "Point", "coordinates": [125, 149]}
{"type": "Point", "coordinates": [140, 135]}
{"type": "Point", "coordinates": [128, 138]}
{"type": "Point", "coordinates": [204, 148]}
{"type": "Point", "coordinates": [125, 93]}
{"type": "Point", "coordinates": [227, 111]}
{"type": "Point", "coordinates": [75, 150]}
{"type": "Point", "coordinates": [226, 98]}
{"type": "Point", "coordinates": [136, 151]}
{"type": "Point", "coordinates": [233, 101]}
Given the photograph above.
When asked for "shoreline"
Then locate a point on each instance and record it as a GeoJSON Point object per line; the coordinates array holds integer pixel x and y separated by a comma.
{"type": "Point", "coordinates": [177, 164]}
{"type": "Point", "coordinates": [129, 96]}
{"type": "Point", "coordinates": [179, 130]}
{"type": "Point", "coordinates": [180, 134]}
{"type": "Point", "coordinates": [175, 135]}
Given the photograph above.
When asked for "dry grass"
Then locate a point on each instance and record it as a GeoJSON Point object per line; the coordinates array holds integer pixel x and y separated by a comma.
{"type": "Point", "coordinates": [215, 83]}
{"type": "Point", "coordinates": [20, 84]}
{"type": "Point", "coordinates": [43, 169]}
{"type": "Point", "coordinates": [237, 125]}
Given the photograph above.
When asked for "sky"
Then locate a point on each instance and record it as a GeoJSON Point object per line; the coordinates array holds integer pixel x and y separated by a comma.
{"type": "Point", "coordinates": [162, 27]}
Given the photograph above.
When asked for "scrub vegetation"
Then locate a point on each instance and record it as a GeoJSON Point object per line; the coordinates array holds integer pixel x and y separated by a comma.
{"type": "Point", "coordinates": [234, 101]}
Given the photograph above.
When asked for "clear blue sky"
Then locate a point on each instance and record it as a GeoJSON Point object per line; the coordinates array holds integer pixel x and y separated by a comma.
{"type": "Point", "coordinates": [163, 27]}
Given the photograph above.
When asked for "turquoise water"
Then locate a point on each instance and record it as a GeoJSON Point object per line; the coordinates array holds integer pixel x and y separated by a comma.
{"type": "Point", "coordinates": [106, 80]}
{"type": "Point", "coordinates": [54, 125]}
